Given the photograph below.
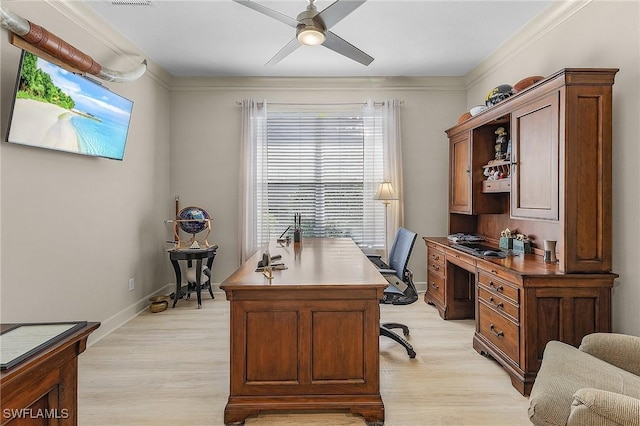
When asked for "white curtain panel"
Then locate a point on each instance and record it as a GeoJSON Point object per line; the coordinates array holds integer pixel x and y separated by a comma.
{"type": "Point", "coordinates": [393, 163]}
{"type": "Point", "coordinates": [252, 226]}
{"type": "Point", "coordinates": [385, 117]}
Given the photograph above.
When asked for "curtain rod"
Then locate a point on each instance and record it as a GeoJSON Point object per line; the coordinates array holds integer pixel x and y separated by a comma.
{"type": "Point", "coordinates": [238, 103]}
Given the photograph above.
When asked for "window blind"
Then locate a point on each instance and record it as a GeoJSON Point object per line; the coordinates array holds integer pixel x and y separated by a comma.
{"type": "Point", "coordinates": [319, 165]}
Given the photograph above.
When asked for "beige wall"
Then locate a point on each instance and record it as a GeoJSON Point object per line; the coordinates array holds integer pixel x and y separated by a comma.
{"type": "Point", "coordinates": [600, 34]}
{"type": "Point", "coordinates": [76, 228]}
{"type": "Point", "coordinates": [206, 150]}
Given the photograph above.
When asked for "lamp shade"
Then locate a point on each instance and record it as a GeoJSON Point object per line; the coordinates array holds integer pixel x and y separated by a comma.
{"type": "Point", "coordinates": [385, 192]}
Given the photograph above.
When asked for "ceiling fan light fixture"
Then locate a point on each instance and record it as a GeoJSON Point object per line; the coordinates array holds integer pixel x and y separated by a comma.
{"type": "Point", "coordinates": [310, 36]}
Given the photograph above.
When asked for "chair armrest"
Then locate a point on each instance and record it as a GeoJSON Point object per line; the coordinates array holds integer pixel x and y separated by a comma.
{"type": "Point", "coordinates": [376, 259]}
{"type": "Point", "coordinates": [595, 406]}
{"type": "Point", "coordinates": [620, 350]}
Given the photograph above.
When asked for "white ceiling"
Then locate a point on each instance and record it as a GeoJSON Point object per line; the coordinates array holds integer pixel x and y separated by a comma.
{"type": "Point", "coordinates": [407, 38]}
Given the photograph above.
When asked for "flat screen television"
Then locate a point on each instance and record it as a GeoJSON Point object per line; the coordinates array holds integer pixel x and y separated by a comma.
{"type": "Point", "coordinates": [56, 109]}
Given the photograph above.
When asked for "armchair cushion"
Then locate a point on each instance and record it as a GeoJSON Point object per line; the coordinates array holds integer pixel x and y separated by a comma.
{"type": "Point", "coordinates": [621, 350]}
{"type": "Point", "coordinates": [598, 407]}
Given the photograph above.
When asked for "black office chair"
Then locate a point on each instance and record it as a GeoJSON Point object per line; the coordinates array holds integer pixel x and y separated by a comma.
{"type": "Point", "coordinates": [401, 290]}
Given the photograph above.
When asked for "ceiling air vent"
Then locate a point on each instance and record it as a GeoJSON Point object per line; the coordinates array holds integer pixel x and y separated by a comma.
{"type": "Point", "coordinates": [131, 2]}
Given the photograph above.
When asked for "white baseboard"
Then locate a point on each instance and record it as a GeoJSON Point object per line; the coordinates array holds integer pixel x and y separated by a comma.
{"type": "Point", "coordinates": [117, 320]}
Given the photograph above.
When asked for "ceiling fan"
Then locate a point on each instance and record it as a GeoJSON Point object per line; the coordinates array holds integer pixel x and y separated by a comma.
{"type": "Point", "coordinates": [312, 28]}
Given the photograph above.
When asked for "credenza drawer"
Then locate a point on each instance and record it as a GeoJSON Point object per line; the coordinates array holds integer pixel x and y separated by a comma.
{"type": "Point", "coordinates": [499, 303]}
{"type": "Point", "coordinates": [500, 331]}
{"type": "Point", "coordinates": [498, 286]}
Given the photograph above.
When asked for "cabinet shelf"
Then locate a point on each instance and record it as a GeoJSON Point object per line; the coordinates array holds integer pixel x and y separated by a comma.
{"type": "Point", "coordinates": [496, 163]}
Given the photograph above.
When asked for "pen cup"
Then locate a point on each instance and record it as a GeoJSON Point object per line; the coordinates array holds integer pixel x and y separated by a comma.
{"type": "Point", "coordinates": [550, 251]}
{"type": "Point", "coordinates": [297, 234]}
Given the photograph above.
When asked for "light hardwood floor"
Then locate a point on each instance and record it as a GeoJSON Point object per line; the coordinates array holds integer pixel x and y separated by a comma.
{"type": "Point", "coordinates": [172, 368]}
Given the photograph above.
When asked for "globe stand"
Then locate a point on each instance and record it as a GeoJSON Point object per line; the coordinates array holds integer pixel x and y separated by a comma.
{"type": "Point", "coordinates": [193, 242]}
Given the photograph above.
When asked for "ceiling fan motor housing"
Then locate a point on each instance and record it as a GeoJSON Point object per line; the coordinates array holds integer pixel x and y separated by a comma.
{"type": "Point", "coordinates": [310, 30]}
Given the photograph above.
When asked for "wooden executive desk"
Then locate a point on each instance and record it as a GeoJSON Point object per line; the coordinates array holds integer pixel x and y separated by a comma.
{"type": "Point", "coordinates": [309, 339]}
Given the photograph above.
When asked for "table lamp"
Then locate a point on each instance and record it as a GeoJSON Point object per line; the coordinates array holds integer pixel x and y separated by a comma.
{"type": "Point", "coordinates": [386, 194]}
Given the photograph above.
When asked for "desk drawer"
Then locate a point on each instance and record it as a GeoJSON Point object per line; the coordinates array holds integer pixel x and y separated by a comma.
{"type": "Point", "coordinates": [499, 303]}
{"type": "Point", "coordinates": [492, 269]}
{"type": "Point", "coordinates": [499, 287]}
{"type": "Point", "coordinates": [436, 268]}
{"type": "Point", "coordinates": [500, 331]}
{"type": "Point", "coordinates": [435, 257]}
{"type": "Point", "coordinates": [436, 286]}
{"type": "Point", "coordinates": [465, 261]}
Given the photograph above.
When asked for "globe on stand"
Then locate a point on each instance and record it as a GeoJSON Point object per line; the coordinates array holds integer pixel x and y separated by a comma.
{"type": "Point", "coordinates": [192, 220]}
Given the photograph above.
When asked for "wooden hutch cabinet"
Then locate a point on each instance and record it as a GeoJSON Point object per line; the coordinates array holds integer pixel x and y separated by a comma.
{"type": "Point", "coordinates": [556, 185]}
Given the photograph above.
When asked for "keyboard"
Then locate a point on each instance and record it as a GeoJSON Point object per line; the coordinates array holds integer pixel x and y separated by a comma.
{"type": "Point", "coordinates": [465, 238]}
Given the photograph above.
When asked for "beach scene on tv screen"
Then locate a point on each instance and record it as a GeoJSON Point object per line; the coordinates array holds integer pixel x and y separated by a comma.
{"type": "Point", "coordinates": [57, 109]}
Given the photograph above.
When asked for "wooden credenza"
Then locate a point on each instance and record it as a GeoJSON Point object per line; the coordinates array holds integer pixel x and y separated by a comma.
{"type": "Point", "coordinates": [309, 338]}
{"type": "Point", "coordinates": [43, 389]}
{"type": "Point", "coordinates": [557, 185]}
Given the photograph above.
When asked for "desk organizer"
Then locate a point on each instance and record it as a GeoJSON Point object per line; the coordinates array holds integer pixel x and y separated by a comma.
{"type": "Point", "coordinates": [506, 243]}
{"type": "Point", "coordinates": [520, 246]}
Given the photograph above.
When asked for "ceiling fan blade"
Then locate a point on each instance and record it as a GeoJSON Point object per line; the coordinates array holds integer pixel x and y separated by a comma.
{"type": "Point", "coordinates": [342, 47]}
{"type": "Point", "coordinates": [284, 52]}
{"type": "Point", "coordinates": [269, 12]}
{"type": "Point", "coordinates": [337, 10]}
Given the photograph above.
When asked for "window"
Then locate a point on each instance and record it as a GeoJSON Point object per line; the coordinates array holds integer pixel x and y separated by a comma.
{"type": "Point", "coordinates": [321, 165]}
{"type": "Point", "coordinates": [325, 164]}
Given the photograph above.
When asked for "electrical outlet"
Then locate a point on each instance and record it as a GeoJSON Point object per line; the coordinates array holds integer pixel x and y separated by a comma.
{"type": "Point", "coordinates": [132, 284]}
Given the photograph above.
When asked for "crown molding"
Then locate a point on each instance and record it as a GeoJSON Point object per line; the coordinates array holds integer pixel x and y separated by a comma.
{"type": "Point", "coordinates": [558, 12]}
{"type": "Point", "coordinates": [319, 83]}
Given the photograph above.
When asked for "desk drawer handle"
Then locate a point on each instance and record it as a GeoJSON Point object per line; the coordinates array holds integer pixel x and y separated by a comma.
{"type": "Point", "coordinates": [435, 268]}
{"type": "Point", "coordinates": [496, 333]}
{"type": "Point", "coordinates": [434, 285]}
{"type": "Point", "coordinates": [496, 305]}
{"type": "Point", "coordinates": [493, 285]}
{"type": "Point", "coordinates": [435, 257]}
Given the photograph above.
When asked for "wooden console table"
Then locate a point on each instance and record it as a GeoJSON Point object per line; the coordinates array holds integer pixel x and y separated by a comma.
{"type": "Point", "coordinates": [309, 339]}
{"type": "Point", "coordinates": [43, 388]}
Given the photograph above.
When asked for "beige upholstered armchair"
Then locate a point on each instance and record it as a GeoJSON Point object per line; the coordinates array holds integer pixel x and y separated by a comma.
{"type": "Point", "coordinates": [597, 384]}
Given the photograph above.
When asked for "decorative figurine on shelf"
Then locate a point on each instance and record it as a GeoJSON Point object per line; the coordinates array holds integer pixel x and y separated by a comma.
{"type": "Point", "coordinates": [192, 220]}
{"type": "Point", "coordinates": [501, 144]}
